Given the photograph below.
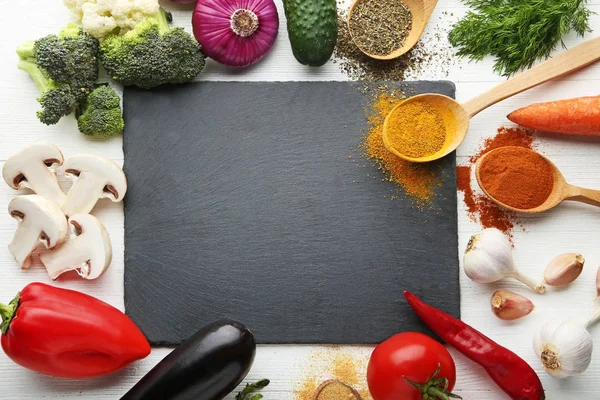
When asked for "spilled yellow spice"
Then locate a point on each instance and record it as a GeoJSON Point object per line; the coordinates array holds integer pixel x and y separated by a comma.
{"type": "Point", "coordinates": [418, 181]}
{"type": "Point", "coordinates": [336, 391]}
{"type": "Point", "coordinates": [334, 363]}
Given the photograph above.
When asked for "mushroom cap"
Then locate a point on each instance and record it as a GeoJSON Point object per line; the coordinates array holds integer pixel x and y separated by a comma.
{"type": "Point", "coordinates": [96, 246]}
{"type": "Point", "coordinates": [106, 170]}
{"type": "Point", "coordinates": [46, 153]}
{"type": "Point", "coordinates": [43, 214]}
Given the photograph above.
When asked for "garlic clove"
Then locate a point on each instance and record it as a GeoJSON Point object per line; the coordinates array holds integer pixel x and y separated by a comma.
{"type": "Point", "coordinates": [598, 282]}
{"type": "Point", "coordinates": [509, 306]}
{"type": "Point", "coordinates": [564, 269]}
{"type": "Point", "coordinates": [564, 348]}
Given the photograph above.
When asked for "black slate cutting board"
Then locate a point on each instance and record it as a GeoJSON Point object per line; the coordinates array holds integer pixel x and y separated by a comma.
{"type": "Point", "coordinates": [244, 203]}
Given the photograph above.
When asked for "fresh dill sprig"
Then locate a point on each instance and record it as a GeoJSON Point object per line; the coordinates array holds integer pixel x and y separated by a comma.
{"type": "Point", "coordinates": [517, 33]}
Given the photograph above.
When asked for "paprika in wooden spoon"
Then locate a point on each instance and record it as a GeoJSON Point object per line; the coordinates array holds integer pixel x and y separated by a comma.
{"type": "Point", "coordinates": [522, 180]}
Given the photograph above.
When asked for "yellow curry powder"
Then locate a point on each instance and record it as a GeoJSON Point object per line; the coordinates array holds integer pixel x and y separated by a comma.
{"type": "Point", "coordinates": [336, 391]}
{"type": "Point", "coordinates": [416, 129]}
{"type": "Point", "coordinates": [331, 364]}
{"type": "Point", "coordinates": [418, 180]}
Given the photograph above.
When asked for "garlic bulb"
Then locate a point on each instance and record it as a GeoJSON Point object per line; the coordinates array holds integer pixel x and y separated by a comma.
{"type": "Point", "coordinates": [488, 258]}
{"type": "Point", "coordinates": [564, 269]}
{"type": "Point", "coordinates": [509, 305]}
{"type": "Point", "coordinates": [564, 348]}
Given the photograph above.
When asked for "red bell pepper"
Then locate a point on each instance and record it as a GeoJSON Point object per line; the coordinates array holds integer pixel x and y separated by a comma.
{"type": "Point", "coordinates": [68, 334]}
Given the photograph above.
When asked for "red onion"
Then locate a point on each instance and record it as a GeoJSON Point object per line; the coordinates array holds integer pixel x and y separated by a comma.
{"type": "Point", "coordinates": [235, 32]}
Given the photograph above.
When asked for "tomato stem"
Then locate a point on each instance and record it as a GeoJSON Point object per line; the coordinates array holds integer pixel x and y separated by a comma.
{"type": "Point", "coordinates": [434, 388]}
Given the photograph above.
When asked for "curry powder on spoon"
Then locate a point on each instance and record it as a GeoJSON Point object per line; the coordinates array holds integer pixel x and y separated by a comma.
{"type": "Point", "coordinates": [417, 180]}
{"type": "Point", "coordinates": [416, 129]}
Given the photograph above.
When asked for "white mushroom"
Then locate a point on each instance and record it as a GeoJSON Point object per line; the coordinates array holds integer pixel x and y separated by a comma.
{"type": "Point", "coordinates": [40, 220]}
{"type": "Point", "coordinates": [88, 250]}
{"type": "Point", "coordinates": [30, 168]}
{"type": "Point", "coordinates": [96, 177]}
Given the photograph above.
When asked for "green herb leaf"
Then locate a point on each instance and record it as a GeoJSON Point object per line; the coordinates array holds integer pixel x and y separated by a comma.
{"type": "Point", "coordinates": [248, 392]}
{"type": "Point", "coordinates": [517, 33]}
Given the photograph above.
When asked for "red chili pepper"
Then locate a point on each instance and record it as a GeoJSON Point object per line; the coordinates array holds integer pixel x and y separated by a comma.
{"type": "Point", "coordinates": [68, 334]}
{"type": "Point", "coordinates": [510, 372]}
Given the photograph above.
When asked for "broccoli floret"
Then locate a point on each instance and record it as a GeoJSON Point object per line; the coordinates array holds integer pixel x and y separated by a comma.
{"type": "Point", "coordinates": [152, 54]}
{"type": "Point", "coordinates": [57, 99]}
{"type": "Point", "coordinates": [64, 67]}
{"type": "Point", "coordinates": [101, 114]}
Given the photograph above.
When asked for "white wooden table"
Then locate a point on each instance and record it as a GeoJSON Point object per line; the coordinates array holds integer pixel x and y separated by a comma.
{"type": "Point", "coordinates": [569, 228]}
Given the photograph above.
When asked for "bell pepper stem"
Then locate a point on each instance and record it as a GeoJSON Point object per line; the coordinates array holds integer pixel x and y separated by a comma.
{"type": "Point", "coordinates": [7, 313]}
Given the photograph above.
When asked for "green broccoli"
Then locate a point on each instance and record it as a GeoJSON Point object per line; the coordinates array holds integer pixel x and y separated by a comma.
{"type": "Point", "coordinates": [152, 54]}
{"type": "Point", "coordinates": [101, 114]}
{"type": "Point", "coordinates": [65, 69]}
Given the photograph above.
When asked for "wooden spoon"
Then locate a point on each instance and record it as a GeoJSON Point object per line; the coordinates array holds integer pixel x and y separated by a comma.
{"type": "Point", "coordinates": [560, 192]}
{"type": "Point", "coordinates": [421, 11]}
{"type": "Point", "coordinates": [457, 116]}
{"type": "Point", "coordinates": [322, 386]}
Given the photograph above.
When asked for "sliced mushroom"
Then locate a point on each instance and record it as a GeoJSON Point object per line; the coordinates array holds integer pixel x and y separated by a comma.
{"type": "Point", "coordinates": [96, 177]}
{"type": "Point", "coordinates": [88, 250]}
{"type": "Point", "coordinates": [30, 168]}
{"type": "Point", "coordinates": [40, 220]}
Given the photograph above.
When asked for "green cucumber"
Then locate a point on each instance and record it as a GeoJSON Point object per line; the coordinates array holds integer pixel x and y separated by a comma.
{"type": "Point", "coordinates": [312, 29]}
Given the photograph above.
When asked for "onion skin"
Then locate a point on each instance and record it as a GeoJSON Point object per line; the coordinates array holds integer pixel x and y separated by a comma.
{"type": "Point", "coordinates": [216, 32]}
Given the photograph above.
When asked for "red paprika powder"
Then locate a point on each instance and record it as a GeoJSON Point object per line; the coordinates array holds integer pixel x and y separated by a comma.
{"type": "Point", "coordinates": [479, 207]}
{"type": "Point", "coordinates": [517, 177]}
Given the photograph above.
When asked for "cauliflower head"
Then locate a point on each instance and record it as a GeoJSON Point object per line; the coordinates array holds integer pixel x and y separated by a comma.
{"type": "Point", "coordinates": [100, 18]}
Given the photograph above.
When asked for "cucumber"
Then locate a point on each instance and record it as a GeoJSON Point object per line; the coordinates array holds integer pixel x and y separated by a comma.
{"type": "Point", "coordinates": [312, 29]}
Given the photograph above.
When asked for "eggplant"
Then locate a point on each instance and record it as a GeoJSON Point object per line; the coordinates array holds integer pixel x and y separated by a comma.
{"type": "Point", "coordinates": [207, 366]}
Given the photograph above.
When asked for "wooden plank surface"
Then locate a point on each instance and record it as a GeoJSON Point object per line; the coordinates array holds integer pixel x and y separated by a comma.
{"type": "Point", "coordinates": [568, 228]}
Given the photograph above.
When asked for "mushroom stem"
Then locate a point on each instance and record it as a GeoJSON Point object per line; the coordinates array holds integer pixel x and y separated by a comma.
{"type": "Point", "coordinates": [83, 195]}
{"type": "Point", "coordinates": [88, 250]}
{"type": "Point", "coordinates": [26, 239]}
{"type": "Point", "coordinates": [72, 255]}
{"type": "Point", "coordinates": [43, 182]}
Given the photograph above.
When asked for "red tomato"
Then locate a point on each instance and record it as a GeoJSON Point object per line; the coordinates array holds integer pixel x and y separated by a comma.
{"type": "Point", "coordinates": [411, 355]}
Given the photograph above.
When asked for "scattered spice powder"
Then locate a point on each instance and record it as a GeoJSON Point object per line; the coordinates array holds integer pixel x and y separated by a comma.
{"type": "Point", "coordinates": [517, 177]}
{"type": "Point", "coordinates": [336, 391]}
{"type": "Point", "coordinates": [416, 129]}
{"type": "Point", "coordinates": [479, 207]}
{"type": "Point", "coordinates": [417, 180]}
{"type": "Point", "coordinates": [333, 364]}
{"type": "Point", "coordinates": [432, 54]}
{"type": "Point", "coordinates": [380, 27]}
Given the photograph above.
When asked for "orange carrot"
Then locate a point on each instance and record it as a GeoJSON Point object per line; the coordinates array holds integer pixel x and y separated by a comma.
{"type": "Point", "coordinates": [579, 116]}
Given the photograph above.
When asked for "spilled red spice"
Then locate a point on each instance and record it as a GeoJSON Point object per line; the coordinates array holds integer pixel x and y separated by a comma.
{"type": "Point", "coordinates": [505, 137]}
{"type": "Point", "coordinates": [479, 207]}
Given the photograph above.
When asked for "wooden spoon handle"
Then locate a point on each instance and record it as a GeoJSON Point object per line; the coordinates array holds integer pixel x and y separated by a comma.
{"type": "Point", "coordinates": [429, 7]}
{"type": "Point", "coordinates": [582, 195]}
{"type": "Point", "coordinates": [566, 62]}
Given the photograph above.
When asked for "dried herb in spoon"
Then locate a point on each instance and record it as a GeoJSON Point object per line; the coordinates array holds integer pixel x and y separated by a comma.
{"type": "Point", "coordinates": [380, 27]}
{"type": "Point", "coordinates": [517, 32]}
